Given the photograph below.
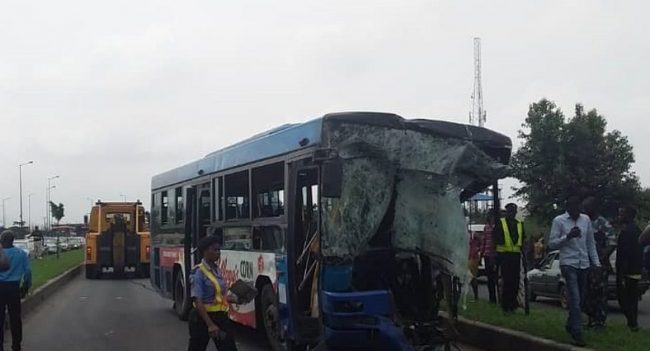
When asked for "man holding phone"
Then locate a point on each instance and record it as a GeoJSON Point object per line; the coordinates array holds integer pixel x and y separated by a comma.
{"type": "Point", "coordinates": [573, 235]}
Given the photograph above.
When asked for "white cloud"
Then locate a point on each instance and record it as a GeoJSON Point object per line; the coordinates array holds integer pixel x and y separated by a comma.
{"type": "Point", "coordinates": [108, 94]}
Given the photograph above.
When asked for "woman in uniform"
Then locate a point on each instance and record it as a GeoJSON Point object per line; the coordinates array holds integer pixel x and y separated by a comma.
{"type": "Point", "coordinates": [209, 317]}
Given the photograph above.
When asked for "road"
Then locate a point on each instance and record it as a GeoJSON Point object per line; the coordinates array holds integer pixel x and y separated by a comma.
{"type": "Point", "coordinates": [109, 315]}
{"type": "Point", "coordinates": [615, 312]}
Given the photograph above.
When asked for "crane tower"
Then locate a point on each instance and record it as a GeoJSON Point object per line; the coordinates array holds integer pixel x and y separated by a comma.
{"type": "Point", "coordinates": [477, 114]}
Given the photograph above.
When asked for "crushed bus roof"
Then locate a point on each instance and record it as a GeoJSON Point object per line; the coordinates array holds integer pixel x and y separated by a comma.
{"type": "Point", "coordinates": [292, 137]}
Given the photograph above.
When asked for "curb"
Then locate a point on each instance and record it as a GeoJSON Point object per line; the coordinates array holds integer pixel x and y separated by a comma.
{"type": "Point", "coordinates": [41, 294]}
{"type": "Point", "coordinates": [493, 338]}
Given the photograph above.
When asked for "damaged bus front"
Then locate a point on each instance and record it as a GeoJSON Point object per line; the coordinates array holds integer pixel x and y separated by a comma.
{"type": "Point", "coordinates": [392, 232]}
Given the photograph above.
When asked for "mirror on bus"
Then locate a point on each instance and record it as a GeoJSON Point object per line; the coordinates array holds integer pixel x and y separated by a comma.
{"type": "Point", "coordinates": [332, 178]}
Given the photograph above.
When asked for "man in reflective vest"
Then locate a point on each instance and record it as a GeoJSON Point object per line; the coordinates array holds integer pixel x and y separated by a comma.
{"type": "Point", "coordinates": [209, 317]}
{"type": "Point", "coordinates": [509, 239]}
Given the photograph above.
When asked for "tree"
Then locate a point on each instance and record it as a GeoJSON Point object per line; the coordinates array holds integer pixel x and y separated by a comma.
{"type": "Point", "coordinates": [58, 211]}
{"type": "Point", "coordinates": [560, 157]}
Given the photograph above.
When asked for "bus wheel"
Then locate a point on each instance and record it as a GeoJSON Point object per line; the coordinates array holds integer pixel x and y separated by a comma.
{"type": "Point", "coordinates": [181, 303]}
{"type": "Point", "coordinates": [271, 318]}
{"type": "Point", "coordinates": [143, 271]}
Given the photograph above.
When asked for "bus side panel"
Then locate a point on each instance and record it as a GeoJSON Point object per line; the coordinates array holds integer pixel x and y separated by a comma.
{"type": "Point", "coordinates": [163, 278]}
{"type": "Point", "coordinates": [247, 266]}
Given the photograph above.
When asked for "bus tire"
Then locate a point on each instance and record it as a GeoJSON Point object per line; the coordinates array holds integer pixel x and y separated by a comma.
{"type": "Point", "coordinates": [143, 271]}
{"type": "Point", "coordinates": [91, 271]}
{"type": "Point", "coordinates": [181, 302]}
{"type": "Point", "coordinates": [271, 318]}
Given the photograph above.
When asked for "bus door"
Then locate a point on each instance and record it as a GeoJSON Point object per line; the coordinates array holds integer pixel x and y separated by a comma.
{"type": "Point", "coordinates": [302, 250]}
{"type": "Point", "coordinates": [197, 220]}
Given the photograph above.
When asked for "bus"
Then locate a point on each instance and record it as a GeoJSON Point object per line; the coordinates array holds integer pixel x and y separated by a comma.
{"type": "Point", "coordinates": [350, 226]}
{"type": "Point", "coordinates": [117, 241]}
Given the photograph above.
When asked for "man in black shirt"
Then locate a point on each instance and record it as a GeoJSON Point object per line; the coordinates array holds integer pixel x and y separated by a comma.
{"type": "Point", "coordinates": [629, 262]}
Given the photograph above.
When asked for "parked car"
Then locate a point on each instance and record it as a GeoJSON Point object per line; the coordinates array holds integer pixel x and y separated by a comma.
{"type": "Point", "coordinates": [546, 280]}
{"type": "Point", "coordinates": [50, 245]}
{"type": "Point", "coordinates": [74, 242]}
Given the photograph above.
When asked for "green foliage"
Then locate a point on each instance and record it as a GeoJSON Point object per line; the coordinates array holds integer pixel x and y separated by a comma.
{"type": "Point", "coordinates": [559, 158]}
{"type": "Point", "coordinates": [50, 267]}
{"type": "Point", "coordinates": [58, 211]}
{"type": "Point", "coordinates": [548, 322]}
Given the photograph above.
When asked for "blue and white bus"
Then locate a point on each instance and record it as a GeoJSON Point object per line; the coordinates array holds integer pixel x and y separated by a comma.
{"type": "Point", "coordinates": [346, 224]}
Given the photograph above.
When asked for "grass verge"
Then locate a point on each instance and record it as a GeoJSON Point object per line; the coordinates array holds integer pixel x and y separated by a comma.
{"type": "Point", "coordinates": [50, 267]}
{"type": "Point", "coordinates": [548, 322]}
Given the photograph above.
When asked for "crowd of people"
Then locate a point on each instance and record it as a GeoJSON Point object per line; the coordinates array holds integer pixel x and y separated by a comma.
{"type": "Point", "coordinates": [585, 240]}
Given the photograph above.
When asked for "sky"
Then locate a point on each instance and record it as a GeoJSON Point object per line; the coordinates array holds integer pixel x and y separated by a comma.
{"type": "Point", "coordinates": [107, 94]}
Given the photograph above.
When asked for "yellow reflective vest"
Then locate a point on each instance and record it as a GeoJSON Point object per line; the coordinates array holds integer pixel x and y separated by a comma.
{"type": "Point", "coordinates": [509, 245]}
{"type": "Point", "coordinates": [219, 304]}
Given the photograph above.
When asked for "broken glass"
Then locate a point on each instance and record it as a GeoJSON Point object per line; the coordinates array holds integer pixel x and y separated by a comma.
{"type": "Point", "coordinates": [418, 176]}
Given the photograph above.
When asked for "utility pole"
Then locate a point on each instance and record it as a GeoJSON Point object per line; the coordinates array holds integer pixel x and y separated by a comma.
{"type": "Point", "coordinates": [20, 177]}
{"type": "Point", "coordinates": [29, 211]}
{"type": "Point", "coordinates": [4, 222]}
{"type": "Point", "coordinates": [477, 114]}
{"type": "Point", "coordinates": [48, 200]}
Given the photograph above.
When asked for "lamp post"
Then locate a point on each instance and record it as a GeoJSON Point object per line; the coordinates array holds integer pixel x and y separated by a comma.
{"type": "Point", "coordinates": [4, 223]}
{"type": "Point", "coordinates": [20, 177]}
{"type": "Point", "coordinates": [123, 197]}
{"type": "Point", "coordinates": [48, 199]}
{"type": "Point", "coordinates": [29, 211]}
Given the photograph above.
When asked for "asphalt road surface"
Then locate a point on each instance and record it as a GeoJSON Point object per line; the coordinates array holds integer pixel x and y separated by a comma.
{"type": "Point", "coordinates": [103, 315]}
{"type": "Point", "coordinates": [110, 315]}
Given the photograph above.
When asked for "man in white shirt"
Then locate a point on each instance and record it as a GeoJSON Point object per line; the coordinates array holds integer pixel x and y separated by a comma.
{"type": "Point", "coordinates": [573, 235]}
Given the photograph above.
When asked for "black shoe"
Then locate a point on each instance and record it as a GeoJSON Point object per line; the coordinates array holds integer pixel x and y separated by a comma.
{"type": "Point", "coordinates": [578, 341]}
{"type": "Point", "coordinates": [634, 328]}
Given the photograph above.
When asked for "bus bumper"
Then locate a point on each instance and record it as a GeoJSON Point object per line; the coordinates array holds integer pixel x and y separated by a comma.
{"type": "Point", "coordinates": [361, 320]}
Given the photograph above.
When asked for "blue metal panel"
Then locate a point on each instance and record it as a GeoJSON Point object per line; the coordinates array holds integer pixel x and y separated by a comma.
{"type": "Point", "coordinates": [278, 141]}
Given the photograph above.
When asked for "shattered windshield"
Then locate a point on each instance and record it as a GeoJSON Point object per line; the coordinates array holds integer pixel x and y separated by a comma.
{"type": "Point", "coordinates": [404, 183]}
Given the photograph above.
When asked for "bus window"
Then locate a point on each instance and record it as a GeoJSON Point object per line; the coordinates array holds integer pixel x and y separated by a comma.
{"type": "Point", "coordinates": [179, 205]}
{"type": "Point", "coordinates": [171, 207]}
{"type": "Point", "coordinates": [237, 197]}
{"type": "Point", "coordinates": [204, 204]}
{"type": "Point", "coordinates": [269, 238]}
{"type": "Point", "coordinates": [219, 205]}
{"type": "Point", "coordinates": [237, 238]}
{"type": "Point", "coordinates": [164, 208]}
{"type": "Point", "coordinates": [268, 187]}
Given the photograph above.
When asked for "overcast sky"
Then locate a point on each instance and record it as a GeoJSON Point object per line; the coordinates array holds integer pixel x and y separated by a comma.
{"type": "Point", "coordinates": [106, 94]}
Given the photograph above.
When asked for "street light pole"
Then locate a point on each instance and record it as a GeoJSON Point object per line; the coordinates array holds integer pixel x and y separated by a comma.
{"type": "Point", "coordinates": [49, 186]}
{"type": "Point", "coordinates": [4, 223]}
{"type": "Point", "coordinates": [29, 211]}
{"type": "Point", "coordinates": [20, 177]}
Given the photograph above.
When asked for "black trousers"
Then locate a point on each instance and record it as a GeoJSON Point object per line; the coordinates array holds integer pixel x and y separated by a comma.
{"type": "Point", "coordinates": [628, 297]}
{"type": "Point", "coordinates": [492, 273]}
{"type": "Point", "coordinates": [510, 266]}
{"type": "Point", "coordinates": [10, 299]}
{"type": "Point", "coordinates": [199, 337]}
